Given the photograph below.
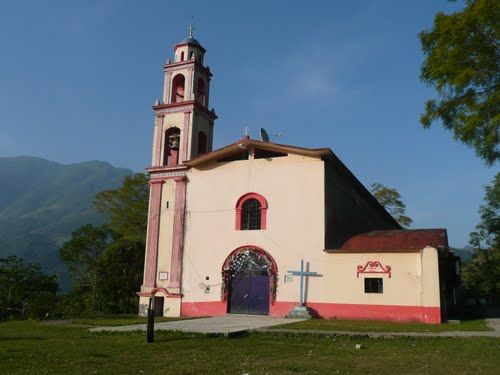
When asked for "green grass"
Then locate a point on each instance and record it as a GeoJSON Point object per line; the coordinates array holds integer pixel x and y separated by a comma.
{"type": "Point", "coordinates": [119, 320]}
{"type": "Point", "coordinates": [31, 347]}
{"type": "Point", "coordinates": [376, 326]}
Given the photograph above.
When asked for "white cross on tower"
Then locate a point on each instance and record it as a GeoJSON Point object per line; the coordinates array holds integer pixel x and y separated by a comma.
{"type": "Point", "coordinates": [190, 29]}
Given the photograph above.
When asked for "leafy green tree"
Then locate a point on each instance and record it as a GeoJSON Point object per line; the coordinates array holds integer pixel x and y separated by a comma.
{"type": "Point", "coordinates": [81, 254]}
{"type": "Point", "coordinates": [121, 268]}
{"type": "Point", "coordinates": [462, 56]}
{"type": "Point", "coordinates": [123, 261]}
{"type": "Point", "coordinates": [481, 275]}
{"type": "Point", "coordinates": [127, 207]}
{"type": "Point", "coordinates": [487, 233]}
{"type": "Point", "coordinates": [392, 202]}
{"type": "Point", "coordinates": [106, 262]}
{"type": "Point", "coordinates": [26, 291]}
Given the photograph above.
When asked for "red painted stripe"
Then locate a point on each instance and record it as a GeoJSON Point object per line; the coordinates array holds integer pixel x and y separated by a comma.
{"type": "Point", "coordinates": [392, 313]}
{"type": "Point", "coordinates": [213, 308]}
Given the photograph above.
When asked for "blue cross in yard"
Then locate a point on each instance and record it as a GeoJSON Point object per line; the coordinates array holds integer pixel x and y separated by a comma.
{"type": "Point", "coordinates": [302, 275]}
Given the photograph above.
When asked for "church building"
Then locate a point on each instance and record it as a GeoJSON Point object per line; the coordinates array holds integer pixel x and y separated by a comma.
{"type": "Point", "coordinates": [228, 229]}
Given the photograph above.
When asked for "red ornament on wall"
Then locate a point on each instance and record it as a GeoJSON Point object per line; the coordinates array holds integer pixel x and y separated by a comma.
{"type": "Point", "coordinates": [373, 266]}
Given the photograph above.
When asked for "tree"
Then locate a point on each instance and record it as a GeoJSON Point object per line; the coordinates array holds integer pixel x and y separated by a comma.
{"type": "Point", "coordinates": [481, 275]}
{"type": "Point", "coordinates": [122, 263]}
{"type": "Point", "coordinates": [127, 207]}
{"type": "Point", "coordinates": [392, 202]}
{"type": "Point", "coordinates": [106, 262]}
{"type": "Point", "coordinates": [462, 55]}
{"type": "Point", "coordinates": [81, 255]}
{"type": "Point", "coordinates": [488, 230]}
{"type": "Point", "coordinates": [121, 268]}
{"type": "Point", "coordinates": [26, 291]}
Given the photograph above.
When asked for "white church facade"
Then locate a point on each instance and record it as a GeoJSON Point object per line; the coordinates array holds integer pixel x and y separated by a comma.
{"type": "Point", "coordinates": [226, 226]}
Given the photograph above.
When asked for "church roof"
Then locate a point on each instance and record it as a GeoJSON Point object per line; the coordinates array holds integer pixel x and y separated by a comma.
{"type": "Point", "coordinates": [247, 143]}
{"type": "Point", "coordinates": [405, 240]}
{"type": "Point", "coordinates": [191, 41]}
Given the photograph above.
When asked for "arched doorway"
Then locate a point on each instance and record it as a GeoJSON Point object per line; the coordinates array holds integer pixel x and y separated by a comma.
{"type": "Point", "coordinates": [249, 275]}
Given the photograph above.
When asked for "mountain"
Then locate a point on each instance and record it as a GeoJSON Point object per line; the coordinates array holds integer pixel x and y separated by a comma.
{"type": "Point", "coordinates": [42, 202]}
{"type": "Point", "coordinates": [465, 254]}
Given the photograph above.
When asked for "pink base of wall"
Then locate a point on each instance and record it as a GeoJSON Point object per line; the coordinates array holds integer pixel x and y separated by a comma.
{"type": "Point", "coordinates": [393, 313]}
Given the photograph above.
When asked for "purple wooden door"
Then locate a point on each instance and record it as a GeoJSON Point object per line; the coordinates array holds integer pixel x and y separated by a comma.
{"type": "Point", "coordinates": [240, 291]}
{"type": "Point", "coordinates": [259, 295]}
{"type": "Point", "coordinates": [249, 295]}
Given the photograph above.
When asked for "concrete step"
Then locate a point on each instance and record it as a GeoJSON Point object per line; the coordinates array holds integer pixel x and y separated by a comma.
{"type": "Point", "coordinates": [299, 312]}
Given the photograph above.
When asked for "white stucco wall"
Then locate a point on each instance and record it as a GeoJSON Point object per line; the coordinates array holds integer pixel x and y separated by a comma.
{"type": "Point", "coordinates": [293, 189]}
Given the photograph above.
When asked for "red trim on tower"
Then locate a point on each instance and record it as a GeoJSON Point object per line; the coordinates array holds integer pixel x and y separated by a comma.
{"type": "Point", "coordinates": [263, 209]}
{"type": "Point", "coordinates": [186, 135]}
{"type": "Point", "coordinates": [178, 232]}
{"type": "Point", "coordinates": [198, 65]}
{"type": "Point", "coordinates": [158, 140]}
{"type": "Point", "coordinates": [210, 113]}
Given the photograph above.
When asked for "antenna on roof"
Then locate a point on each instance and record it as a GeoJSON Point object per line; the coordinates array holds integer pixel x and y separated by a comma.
{"type": "Point", "coordinates": [277, 135]}
{"type": "Point", "coordinates": [264, 137]}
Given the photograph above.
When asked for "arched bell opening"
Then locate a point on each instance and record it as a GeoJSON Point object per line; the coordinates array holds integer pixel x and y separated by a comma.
{"type": "Point", "coordinates": [171, 147]}
{"type": "Point", "coordinates": [178, 88]}
{"type": "Point", "coordinates": [201, 97]}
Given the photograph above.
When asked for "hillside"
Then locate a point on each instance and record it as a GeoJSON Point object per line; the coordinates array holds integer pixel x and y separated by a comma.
{"type": "Point", "coordinates": [42, 202]}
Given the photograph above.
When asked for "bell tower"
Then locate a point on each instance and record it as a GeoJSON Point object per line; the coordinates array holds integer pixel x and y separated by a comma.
{"type": "Point", "coordinates": [184, 124]}
{"type": "Point", "coordinates": [183, 130]}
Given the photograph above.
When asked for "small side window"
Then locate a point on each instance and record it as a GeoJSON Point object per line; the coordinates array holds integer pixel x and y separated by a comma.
{"type": "Point", "coordinates": [374, 285]}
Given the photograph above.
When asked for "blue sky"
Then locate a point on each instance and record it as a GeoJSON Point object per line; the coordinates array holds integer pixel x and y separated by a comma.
{"type": "Point", "coordinates": [78, 78]}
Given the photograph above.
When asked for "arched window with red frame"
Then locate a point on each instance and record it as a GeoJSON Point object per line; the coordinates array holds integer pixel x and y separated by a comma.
{"type": "Point", "coordinates": [251, 212]}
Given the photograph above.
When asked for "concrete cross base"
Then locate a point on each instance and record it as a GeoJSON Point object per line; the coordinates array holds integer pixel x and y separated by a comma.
{"type": "Point", "coordinates": [299, 312]}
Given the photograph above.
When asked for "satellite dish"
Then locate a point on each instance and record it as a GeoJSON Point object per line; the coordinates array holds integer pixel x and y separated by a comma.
{"type": "Point", "coordinates": [264, 137]}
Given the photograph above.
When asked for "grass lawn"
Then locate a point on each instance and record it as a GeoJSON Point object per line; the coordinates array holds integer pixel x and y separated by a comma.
{"type": "Point", "coordinates": [119, 320]}
{"type": "Point", "coordinates": [31, 347]}
{"type": "Point", "coordinates": [376, 326]}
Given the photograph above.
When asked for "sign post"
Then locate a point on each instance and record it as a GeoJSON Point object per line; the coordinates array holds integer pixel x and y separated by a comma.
{"type": "Point", "coordinates": [150, 328]}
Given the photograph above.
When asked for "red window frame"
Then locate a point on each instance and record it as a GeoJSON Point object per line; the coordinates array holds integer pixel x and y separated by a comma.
{"type": "Point", "coordinates": [263, 209]}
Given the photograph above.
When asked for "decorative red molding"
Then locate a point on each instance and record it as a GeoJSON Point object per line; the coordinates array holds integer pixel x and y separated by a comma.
{"type": "Point", "coordinates": [193, 103]}
{"type": "Point", "coordinates": [263, 209]}
{"type": "Point", "coordinates": [186, 135]}
{"type": "Point", "coordinates": [156, 181]}
{"type": "Point", "coordinates": [158, 140]}
{"type": "Point", "coordinates": [153, 291]}
{"type": "Point", "coordinates": [373, 266]}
